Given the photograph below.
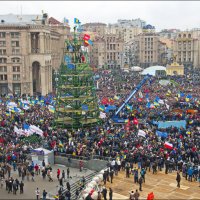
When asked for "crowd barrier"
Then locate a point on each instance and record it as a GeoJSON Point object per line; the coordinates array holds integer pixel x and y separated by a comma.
{"type": "Point", "coordinates": [70, 156]}
{"type": "Point", "coordinates": [92, 163]}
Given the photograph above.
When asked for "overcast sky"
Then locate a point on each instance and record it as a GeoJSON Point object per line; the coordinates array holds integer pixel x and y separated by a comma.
{"type": "Point", "coordinates": [161, 14]}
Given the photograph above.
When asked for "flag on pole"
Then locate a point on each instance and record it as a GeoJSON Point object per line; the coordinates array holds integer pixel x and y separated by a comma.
{"type": "Point", "coordinates": [76, 21]}
{"type": "Point", "coordinates": [116, 97]}
{"type": "Point", "coordinates": [102, 107]}
{"type": "Point", "coordinates": [161, 134]}
{"type": "Point", "coordinates": [102, 115]}
{"type": "Point", "coordinates": [86, 37]}
{"type": "Point", "coordinates": [66, 21]}
{"type": "Point", "coordinates": [51, 109]}
{"type": "Point", "coordinates": [167, 106]}
{"type": "Point", "coordinates": [140, 94]}
{"type": "Point", "coordinates": [135, 121]}
{"type": "Point", "coordinates": [90, 42]}
{"type": "Point", "coordinates": [141, 133]}
{"type": "Point", "coordinates": [168, 145]}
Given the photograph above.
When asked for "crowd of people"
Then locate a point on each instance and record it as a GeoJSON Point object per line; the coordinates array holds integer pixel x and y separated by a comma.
{"type": "Point", "coordinates": [175, 101]}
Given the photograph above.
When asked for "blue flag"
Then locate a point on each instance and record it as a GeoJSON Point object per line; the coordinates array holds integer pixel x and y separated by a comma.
{"type": "Point", "coordinates": [189, 96]}
{"type": "Point", "coordinates": [76, 21]}
{"type": "Point", "coordinates": [25, 126]}
{"type": "Point", "coordinates": [66, 21]}
{"type": "Point", "coordinates": [182, 94]}
{"type": "Point", "coordinates": [90, 42]}
{"type": "Point", "coordinates": [161, 134]}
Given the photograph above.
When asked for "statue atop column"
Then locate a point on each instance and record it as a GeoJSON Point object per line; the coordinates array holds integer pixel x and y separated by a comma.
{"type": "Point", "coordinates": [174, 58]}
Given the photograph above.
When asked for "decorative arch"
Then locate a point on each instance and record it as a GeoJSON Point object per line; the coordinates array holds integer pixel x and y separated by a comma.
{"type": "Point", "coordinates": [36, 77]}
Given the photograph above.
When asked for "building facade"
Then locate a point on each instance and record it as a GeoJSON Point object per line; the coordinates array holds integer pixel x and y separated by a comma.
{"type": "Point", "coordinates": [98, 29]}
{"type": "Point", "coordinates": [107, 51]}
{"type": "Point", "coordinates": [126, 29]}
{"type": "Point", "coordinates": [31, 46]}
{"type": "Point", "coordinates": [148, 49]}
{"type": "Point", "coordinates": [186, 49]}
{"type": "Point", "coordinates": [114, 51]}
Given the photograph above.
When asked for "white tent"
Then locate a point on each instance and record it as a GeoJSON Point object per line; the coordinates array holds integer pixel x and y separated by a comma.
{"type": "Point", "coordinates": [136, 69]}
{"type": "Point", "coordinates": [152, 70]}
{"type": "Point", "coordinates": [40, 154]}
{"type": "Point", "coordinates": [46, 151]}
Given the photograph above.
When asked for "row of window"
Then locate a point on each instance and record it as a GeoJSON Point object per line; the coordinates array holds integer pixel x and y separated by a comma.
{"type": "Point", "coordinates": [13, 43]}
{"type": "Point", "coordinates": [4, 77]}
{"type": "Point", "coordinates": [149, 57]}
{"type": "Point", "coordinates": [14, 68]}
{"type": "Point", "coordinates": [111, 46]}
{"type": "Point", "coordinates": [12, 34]}
{"type": "Point", "coordinates": [184, 59]}
{"type": "Point", "coordinates": [14, 51]}
{"type": "Point", "coordinates": [184, 35]}
{"type": "Point", "coordinates": [14, 60]}
{"type": "Point", "coordinates": [148, 52]}
{"type": "Point", "coordinates": [148, 39]}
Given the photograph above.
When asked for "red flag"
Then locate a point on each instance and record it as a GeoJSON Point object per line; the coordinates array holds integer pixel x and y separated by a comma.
{"type": "Point", "coordinates": [168, 145]}
{"type": "Point", "coordinates": [135, 121]}
{"type": "Point", "coordinates": [105, 101]}
{"type": "Point", "coordinates": [82, 58]}
{"type": "Point", "coordinates": [86, 37]}
{"type": "Point", "coordinates": [150, 196]}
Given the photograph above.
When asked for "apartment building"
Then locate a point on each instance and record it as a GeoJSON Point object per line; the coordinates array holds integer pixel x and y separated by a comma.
{"type": "Point", "coordinates": [114, 51]}
{"type": "Point", "coordinates": [186, 48]}
{"type": "Point", "coordinates": [98, 28]}
{"type": "Point", "coordinates": [107, 51]}
{"type": "Point", "coordinates": [148, 49]}
{"type": "Point", "coordinates": [126, 34]}
{"type": "Point", "coordinates": [126, 29]}
{"type": "Point", "coordinates": [31, 46]}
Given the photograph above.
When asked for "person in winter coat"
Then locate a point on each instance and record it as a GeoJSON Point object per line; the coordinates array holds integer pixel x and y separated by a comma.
{"type": "Point", "coordinates": [140, 183]}
{"type": "Point", "coordinates": [178, 179]}
{"type": "Point", "coordinates": [190, 174]}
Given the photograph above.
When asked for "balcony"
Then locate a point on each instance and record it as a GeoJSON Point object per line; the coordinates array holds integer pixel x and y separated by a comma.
{"type": "Point", "coordinates": [35, 50]}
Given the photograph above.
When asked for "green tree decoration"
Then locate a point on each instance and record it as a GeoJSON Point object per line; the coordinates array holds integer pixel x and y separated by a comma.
{"type": "Point", "coordinates": [76, 100]}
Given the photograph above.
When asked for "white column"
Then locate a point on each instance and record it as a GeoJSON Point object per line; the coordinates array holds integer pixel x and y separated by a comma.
{"type": "Point", "coordinates": [50, 78]}
{"type": "Point", "coordinates": [43, 80]}
{"type": "Point", "coordinates": [41, 42]}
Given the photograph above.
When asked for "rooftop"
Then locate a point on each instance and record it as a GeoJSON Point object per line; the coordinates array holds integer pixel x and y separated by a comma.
{"type": "Point", "coordinates": [20, 19]}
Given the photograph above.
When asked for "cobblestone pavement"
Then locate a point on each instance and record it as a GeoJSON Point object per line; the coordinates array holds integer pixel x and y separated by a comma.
{"type": "Point", "coordinates": [50, 187]}
{"type": "Point", "coordinates": [163, 185]}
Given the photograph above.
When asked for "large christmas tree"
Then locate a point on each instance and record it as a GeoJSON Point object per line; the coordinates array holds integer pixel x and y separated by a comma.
{"type": "Point", "coordinates": [76, 100]}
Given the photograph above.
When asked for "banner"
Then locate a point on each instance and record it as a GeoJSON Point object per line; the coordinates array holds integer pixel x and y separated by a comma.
{"type": "Point", "coordinates": [166, 124]}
